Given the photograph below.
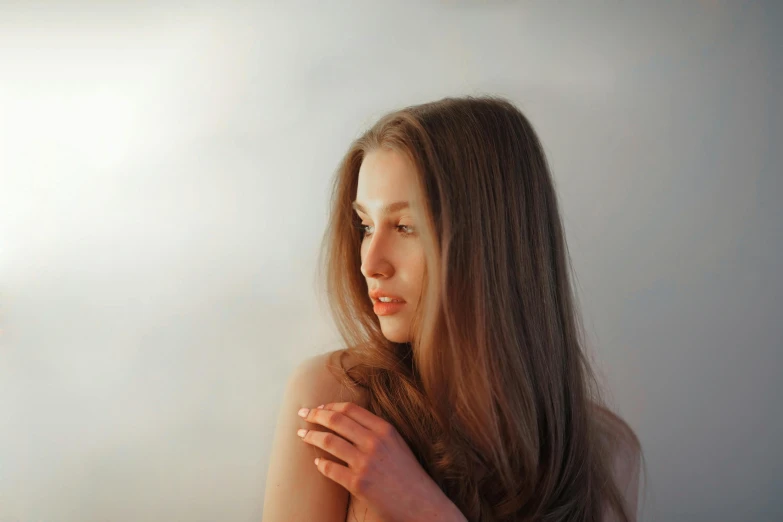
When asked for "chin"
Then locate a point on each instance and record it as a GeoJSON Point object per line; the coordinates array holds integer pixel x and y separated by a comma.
{"type": "Point", "coordinates": [396, 338]}
{"type": "Point", "coordinates": [396, 335]}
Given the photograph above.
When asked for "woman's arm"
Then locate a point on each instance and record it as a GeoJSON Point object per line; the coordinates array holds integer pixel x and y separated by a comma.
{"type": "Point", "coordinates": [295, 490]}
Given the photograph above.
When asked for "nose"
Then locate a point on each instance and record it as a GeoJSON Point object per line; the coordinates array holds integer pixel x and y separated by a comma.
{"type": "Point", "coordinates": [375, 261]}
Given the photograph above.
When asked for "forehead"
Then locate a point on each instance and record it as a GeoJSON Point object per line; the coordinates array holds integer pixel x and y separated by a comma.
{"type": "Point", "coordinates": [385, 176]}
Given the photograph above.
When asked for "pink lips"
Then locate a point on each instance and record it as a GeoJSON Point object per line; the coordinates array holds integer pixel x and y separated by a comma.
{"type": "Point", "coordinates": [375, 294]}
{"type": "Point", "coordinates": [382, 308]}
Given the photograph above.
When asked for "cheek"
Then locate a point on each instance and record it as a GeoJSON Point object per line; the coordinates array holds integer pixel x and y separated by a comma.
{"type": "Point", "coordinates": [420, 272]}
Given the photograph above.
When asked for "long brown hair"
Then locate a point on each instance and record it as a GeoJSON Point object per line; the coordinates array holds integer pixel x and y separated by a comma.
{"type": "Point", "coordinates": [494, 393]}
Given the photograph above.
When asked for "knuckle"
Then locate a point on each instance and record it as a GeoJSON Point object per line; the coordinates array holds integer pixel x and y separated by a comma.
{"type": "Point", "coordinates": [386, 435]}
{"type": "Point", "coordinates": [373, 445]}
{"type": "Point", "coordinates": [390, 431]}
{"type": "Point", "coordinates": [337, 419]}
{"type": "Point", "coordinates": [328, 441]}
{"type": "Point", "coordinates": [359, 484]}
{"type": "Point", "coordinates": [363, 467]}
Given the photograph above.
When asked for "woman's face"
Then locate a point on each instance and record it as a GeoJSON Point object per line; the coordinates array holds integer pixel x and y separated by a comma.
{"type": "Point", "coordinates": [391, 251]}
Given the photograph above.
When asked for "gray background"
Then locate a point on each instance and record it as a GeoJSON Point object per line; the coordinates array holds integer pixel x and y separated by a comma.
{"type": "Point", "coordinates": [163, 189]}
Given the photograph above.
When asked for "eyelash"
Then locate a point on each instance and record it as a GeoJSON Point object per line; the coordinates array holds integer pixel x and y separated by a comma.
{"type": "Point", "coordinates": [361, 229]}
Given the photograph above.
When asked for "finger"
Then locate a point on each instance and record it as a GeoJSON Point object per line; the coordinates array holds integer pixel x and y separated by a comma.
{"type": "Point", "coordinates": [363, 417]}
{"type": "Point", "coordinates": [334, 444]}
{"type": "Point", "coordinates": [336, 472]}
{"type": "Point", "coordinates": [341, 424]}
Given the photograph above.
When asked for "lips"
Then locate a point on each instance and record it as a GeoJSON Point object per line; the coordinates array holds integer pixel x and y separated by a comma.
{"type": "Point", "coordinates": [377, 294]}
{"type": "Point", "coordinates": [382, 308]}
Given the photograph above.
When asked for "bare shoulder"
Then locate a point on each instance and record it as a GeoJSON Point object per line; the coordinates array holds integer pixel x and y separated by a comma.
{"type": "Point", "coordinates": [617, 429]}
{"type": "Point", "coordinates": [316, 376]}
{"type": "Point", "coordinates": [295, 489]}
{"type": "Point", "coordinates": [626, 454]}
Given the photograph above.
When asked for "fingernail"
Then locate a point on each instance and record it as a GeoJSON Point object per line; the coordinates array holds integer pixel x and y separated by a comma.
{"type": "Point", "coordinates": [301, 432]}
{"type": "Point", "coordinates": [321, 406]}
{"type": "Point", "coordinates": [303, 412]}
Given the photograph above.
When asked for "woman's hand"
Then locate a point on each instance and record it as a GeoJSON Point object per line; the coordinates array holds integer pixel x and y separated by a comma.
{"type": "Point", "coordinates": [381, 469]}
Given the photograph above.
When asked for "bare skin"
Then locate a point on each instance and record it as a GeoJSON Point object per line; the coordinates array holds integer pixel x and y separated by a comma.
{"type": "Point", "coordinates": [295, 490]}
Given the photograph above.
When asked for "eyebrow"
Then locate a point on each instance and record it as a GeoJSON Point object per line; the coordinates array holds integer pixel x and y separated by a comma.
{"type": "Point", "coordinates": [385, 209]}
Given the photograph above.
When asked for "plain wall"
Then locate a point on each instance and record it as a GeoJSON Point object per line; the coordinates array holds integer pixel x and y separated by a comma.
{"type": "Point", "coordinates": [164, 175]}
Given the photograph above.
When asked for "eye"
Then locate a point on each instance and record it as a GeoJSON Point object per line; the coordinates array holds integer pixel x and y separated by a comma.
{"type": "Point", "coordinates": [405, 230]}
{"type": "Point", "coordinates": [362, 229]}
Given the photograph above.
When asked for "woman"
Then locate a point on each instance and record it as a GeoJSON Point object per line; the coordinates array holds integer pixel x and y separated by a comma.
{"type": "Point", "coordinates": [471, 397]}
